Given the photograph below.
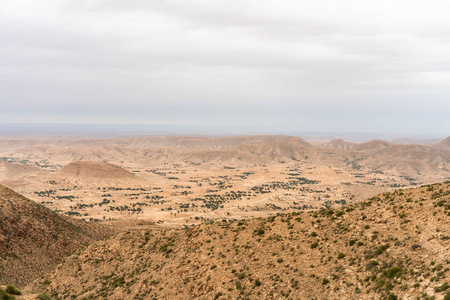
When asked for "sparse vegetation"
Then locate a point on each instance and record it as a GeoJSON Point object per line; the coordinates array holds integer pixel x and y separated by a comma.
{"type": "Point", "coordinates": [285, 255]}
{"type": "Point", "coordinates": [5, 296]}
{"type": "Point", "coordinates": [10, 289]}
{"type": "Point", "coordinates": [251, 227]}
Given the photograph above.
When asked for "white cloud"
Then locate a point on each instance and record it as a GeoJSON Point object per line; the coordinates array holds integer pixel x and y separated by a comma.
{"type": "Point", "coordinates": [187, 61]}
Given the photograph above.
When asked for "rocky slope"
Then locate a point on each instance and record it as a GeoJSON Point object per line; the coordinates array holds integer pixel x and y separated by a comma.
{"type": "Point", "coordinates": [444, 144]}
{"type": "Point", "coordinates": [33, 239]}
{"type": "Point", "coordinates": [12, 170]}
{"type": "Point", "coordinates": [413, 160]}
{"type": "Point", "coordinates": [393, 246]}
{"type": "Point", "coordinates": [94, 169]}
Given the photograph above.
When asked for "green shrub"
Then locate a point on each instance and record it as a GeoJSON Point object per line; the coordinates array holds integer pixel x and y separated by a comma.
{"type": "Point", "coordinates": [118, 281]}
{"type": "Point", "coordinates": [260, 231]}
{"type": "Point", "coordinates": [43, 297]}
{"type": "Point", "coordinates": [381, 249]}
{"type": "Point", "coordinates": [46, 282]}
{"type": "Point", "coordinates": [394, 272]}
{"type": "Point", "coordinates": [325, 281]}
{"type": "Point", "coordinates": [10, 289]}
{"type": "Point", "coordinates": [5, 296]}
{"type": "Point", "coordinates": [442, 288]}
{"type": "Point", "coordinates": [392, 297]}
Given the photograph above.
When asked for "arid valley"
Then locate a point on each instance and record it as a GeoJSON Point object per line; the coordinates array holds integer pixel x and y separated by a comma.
{"type": "Point", "coordinates": [224, 150]}
{"type": "Point", "coordinates": [177, 181]}
{"type": "Point", "coordinates": [167, 186]}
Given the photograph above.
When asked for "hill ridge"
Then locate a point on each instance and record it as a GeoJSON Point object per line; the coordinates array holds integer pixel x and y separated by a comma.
{"type": "Point", "coordinates": [94, 169]}
{"type": "Point", "coordinates": [391, 246]}
{"type": "Point", "coordinates": [33, 239]}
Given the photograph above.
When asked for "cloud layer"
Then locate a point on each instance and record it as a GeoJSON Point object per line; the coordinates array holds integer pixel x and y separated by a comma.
{"type": "Point", "coordinates": [290, 65]}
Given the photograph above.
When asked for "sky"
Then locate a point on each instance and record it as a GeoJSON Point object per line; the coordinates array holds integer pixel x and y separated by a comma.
{"type": "Point", "coordinates": [273, 66]}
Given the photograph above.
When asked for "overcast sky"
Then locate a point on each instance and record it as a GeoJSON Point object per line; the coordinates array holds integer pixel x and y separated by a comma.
{"type": "Point", "coordinates": [325, 66]}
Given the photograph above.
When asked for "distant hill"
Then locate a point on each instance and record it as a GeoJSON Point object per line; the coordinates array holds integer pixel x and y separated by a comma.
{"type": "Point", "coordinates": [372, 145]}
{"type": "Point", "coordinates": [11, 170]}
{"type": "Point", "coordinates": [33, 239]}
{"type": "Point", "coordinates": [94, 169]}
{"type": "Point", "coordinates": [444, 144]}
{"type": "Point", "coordinates": [341, 144]}
{"type": "Point", "coordinates": [262, 152]}
{"type": "Point", "coordinates": [412, 160]}
{"type": "Point", "coordinates": [409, 141]}
{"type": "Point", "coordinates": [429, 162]}
{"type": "Point", "coordinates": [208, 143]}
{"type": "Point", "coordinates": [392, 246]}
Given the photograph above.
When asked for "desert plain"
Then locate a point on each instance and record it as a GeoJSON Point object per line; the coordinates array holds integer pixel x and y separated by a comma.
{"type": "Point", "coordinates": [183, 180]}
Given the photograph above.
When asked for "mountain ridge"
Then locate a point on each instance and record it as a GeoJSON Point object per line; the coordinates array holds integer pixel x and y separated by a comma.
{"type": "Point", "coordinates": [33, 239]}
{"type": "Point", "coordinates": [391, 246]}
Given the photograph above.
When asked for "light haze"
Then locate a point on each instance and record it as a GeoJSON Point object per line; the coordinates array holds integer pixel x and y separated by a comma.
{"type": "Point", "coordinates": [335, 66]}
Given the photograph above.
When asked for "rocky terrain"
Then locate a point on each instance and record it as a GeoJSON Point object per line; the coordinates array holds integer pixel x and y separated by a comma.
{"type": "Point", "coordinates": [94, 170]}
{"type": "Point", "coordinates": [270, 217]}
{"type": "Point", "coordinates": [10, 171]}
{"type": "Point", "coordinates": [178, 180]}
{"type": "Point", "coordinates": [444, 144]}
{"type": "Point", "coordinates": [52, 154]}
{"type": "Point", "coordinates": [392, 246]}
{"type": "Point", "coordinates": [34, 239]}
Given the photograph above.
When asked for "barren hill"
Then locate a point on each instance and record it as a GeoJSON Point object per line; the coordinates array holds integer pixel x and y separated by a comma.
{"type": "Point", "coordinates": [11, 170]}
{"type": "Point", "coordinates": [409, 141]}
{"type": "Point", "coordinates": [60, 151]}
{"type": "Point", "coordinates": [255, 153]}
{"type": "Point", "coordinates": [444, 144]}
{"type": "Point", "coordinates": [372, 145]}
{"type": "Point", "coordinates": [94, 169]}
{"type": "Point", "coordinates": [340, 144]}
{"type": "Point", "coordinates": [412, 160]}
{"type": "Point", "coordinates": [391, 246]}
{"type": "Point", "coordinates": [208, 143]}
{"type": "Point", "coordinates": [34, 239]}
{"type": "Point", "coordinates": [149, 152]}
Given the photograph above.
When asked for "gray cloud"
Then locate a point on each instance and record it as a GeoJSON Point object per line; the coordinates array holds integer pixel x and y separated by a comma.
{"type": "Point", "coordinates": [282, 65]}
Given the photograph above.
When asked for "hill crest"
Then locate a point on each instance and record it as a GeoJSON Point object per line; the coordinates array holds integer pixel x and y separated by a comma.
{"type": "Point", "coordinates": [33, 239]}
{"type": "Point", "coordinates": [10, 170]}
{"type": "Point", "coordinates": [388, 247]}
{"type": "Point", "coordinates": [94, 169]}
{"type": "Point", "coordinates": [444, 144]}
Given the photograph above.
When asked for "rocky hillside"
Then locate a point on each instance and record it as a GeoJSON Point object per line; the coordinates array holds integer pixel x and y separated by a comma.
{"type": "Point", "coordinates": [393, 246]}
{"type": "Point", "coordinates": [10, 170]}
{"type": "Point", "coordinates": [423, 161]}
{"type": "Point", "coordinates": [33, 239]}
{"type": "Point", "coordinates": [444, 144]}
{"type": "Point", "coordinates": [94, 169]}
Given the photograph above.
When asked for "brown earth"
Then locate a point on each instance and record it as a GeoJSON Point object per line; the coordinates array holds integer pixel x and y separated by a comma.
{"type": "Point", "coordinates": [444, 144]}
{"type": "Point", "coordinates": [184, 180]}
{"type": "Point", "coordinates": [94, 169]}
{"type": "Point", "coordinates": [34, 239]}
{"type": "Point", "coordinates": [15, 170]}
{"type": "Point", "coordinates": [392, 246]}
{"type": "Point", "coordinates": [231, 189]}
